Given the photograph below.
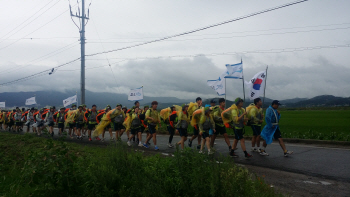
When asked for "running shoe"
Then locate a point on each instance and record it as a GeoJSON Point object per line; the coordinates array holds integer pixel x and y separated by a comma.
{"type": "Point", "coordinates": [288, 153]}
{"type": "Point", "coordinates": [189, 143]}
{"type": "Point", "coordinates": [145, 145]}
{"type": "Point", "coordinates": [129, 143]}
{"type": "Point", "coordinates": [156, 148]}
{"type": "Point", "coordinates": [254, 149]}
{"type": "Point", "coordinates": [141, 145]}
{"type": "Point", "coordinates": [103, 139]}
{"type": "Point", "coordinates": [248, 156]}
{"type": "Point", "coordinates": [200, 152]}
{"type": "Point", "coordinates": [210, 152]}
{"type": "Point", "coordinates": [264, 153]}
{"type": "Point", "coordinates": [97, 138]}
{"type": "Point", "coordinates": [83, 135]}
{"type": "Point", "coordinates": [90, 139]}
{"type": "Point", "coordinates": [170, 145]}
{"type": "Point", "coordinates": [232, 154]}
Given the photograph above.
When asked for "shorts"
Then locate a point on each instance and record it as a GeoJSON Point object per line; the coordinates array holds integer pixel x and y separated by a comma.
{"type": "Point", "coordinates": [11, 123]}
{"type": "Point", "coordinates": [152, 129]}
{"type": "Point", "coordinates": [135, 131]}
{"type": "Point", "coordinates": [118, 126]}
{"type": "Point", "coordinates": [196, 131]}
{"type": "Point", "coordinates": [19, 124]}
{"type": "Point", "coordinates": [142, 129]}
{"type": "Point", "coordinates": [220, 130]}
{"type": "Point", "coordinates": [108, 126]}
{"type": "Point", "coordinates": [256, 130]}
{"type": "Point", "coordinates": [80, 125]}
{"type": "Point", "coordinates": [205, 134]}
{"type": "Point", "coordinates": [39, 124]}
{"type": "Point", "coordinates": [183, 132]}
{"type": "Point", "coordinates": [277, 134]}
{"type": "Point", "coordinates": [91, 126]}
{"type": "Point", "coordinates": [51, 124]}
{"type": "Point", "coordinates": [72, 125]}
{"type": "Point", "coordinates": [238, 134]}
{"type": "Point", "coordinates": [60, 125]}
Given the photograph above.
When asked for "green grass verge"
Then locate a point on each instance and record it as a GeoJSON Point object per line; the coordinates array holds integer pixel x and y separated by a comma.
{"type": "Point", "coordinates": [34, 166]}
{"type": "Point", "coordinates": [309, 124]}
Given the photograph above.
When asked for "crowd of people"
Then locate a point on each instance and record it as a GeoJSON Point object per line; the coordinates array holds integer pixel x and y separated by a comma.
{"type": "Point", "coordinates": [207, 121]}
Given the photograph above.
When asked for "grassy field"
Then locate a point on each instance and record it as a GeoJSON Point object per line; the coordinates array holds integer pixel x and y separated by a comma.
{"type": "Point", "coordinates": [329, 124]}
{"type": "Point", "coordinates": [36, 166]}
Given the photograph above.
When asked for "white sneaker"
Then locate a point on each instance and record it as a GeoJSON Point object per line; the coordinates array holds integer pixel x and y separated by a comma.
{"type": "Point", "coordinates": [264, 153]}
{"type": "Point", "coordinates": [103, 139]}
{"type": "Point", "coordinates": [170, 145]}
{"type": "Point", "coordinates": [288, 153]}
{"type": "Point", "coordinates": [200, 152]}
{"type": "Point", "coordinates": [258, 150]}
{"type": "Point", "coordinates": [129, 143]}
{"type": "Point", "coordinates": [254, 149]}
{"type": "Point", "coordinates": [140, 145]}
{"type": "Point", "coordinates": [210, 152]}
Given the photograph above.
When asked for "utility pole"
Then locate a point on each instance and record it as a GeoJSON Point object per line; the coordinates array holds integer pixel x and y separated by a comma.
{"type": "Point", "coordinates": [81, 28]}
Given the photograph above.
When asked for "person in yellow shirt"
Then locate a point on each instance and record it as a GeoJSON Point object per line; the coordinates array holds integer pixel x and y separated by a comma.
{"type": "Point", "coordinates": [205, 124]}
{"type": "Point", "coordinates": [153, 119]}
{"type": "Point", "coordinates": [238, 118]}
{"type": "Point", "coordinates": [134, 125]}
{"type": "Point", "coordinates": [183, 121]}
{"type": "Point", "coordinates": [256, 116]}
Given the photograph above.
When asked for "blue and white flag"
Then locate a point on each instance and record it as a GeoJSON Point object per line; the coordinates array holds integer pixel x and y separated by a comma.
{"type": "Point", "coordinates": [217, 85]}
{"type": "Point", "coordinates": [136, 94]}
{"type": "Point", "coordinates": [2, 104]}
{"type": "Point", "coordinates": [234, 71]}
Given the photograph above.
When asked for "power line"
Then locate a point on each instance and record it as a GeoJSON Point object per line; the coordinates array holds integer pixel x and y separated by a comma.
{"type": "Point", "coordinates": [34, 30]}
{"type": "Point", "coordinates": [266, 34]}
{"type": "Point", "coordinates": [38, 74]}
{"type": "Point", "coordinates": [239, 32]}
{"type": "Point", "coordinates": [46, 56]}
{"type": "Point", "coordinates": [203, 28]}
{"type": "Point", "coordinates": [26, 21]}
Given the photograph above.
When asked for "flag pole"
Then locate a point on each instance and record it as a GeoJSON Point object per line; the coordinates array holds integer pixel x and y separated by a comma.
{"type": "Point", "coordinates": [243, 83]}
{"type": "Point", "coordinates": [76, 94]}
{"type": "Point", "coordinates": [225, 93]}
{"type": "Point", "coordinates": [265, 84]}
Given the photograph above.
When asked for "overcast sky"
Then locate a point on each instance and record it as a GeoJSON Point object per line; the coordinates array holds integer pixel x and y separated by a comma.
{"type": "Point", "coordinates": [37, 35]}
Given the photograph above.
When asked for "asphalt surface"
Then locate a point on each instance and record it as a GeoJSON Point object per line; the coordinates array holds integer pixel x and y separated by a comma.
{"type": "Point", "coordinates": [317, 161]}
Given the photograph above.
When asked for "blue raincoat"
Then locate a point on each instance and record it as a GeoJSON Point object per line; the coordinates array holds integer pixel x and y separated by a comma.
{"type": "Point", "coordinates": [268, 132]}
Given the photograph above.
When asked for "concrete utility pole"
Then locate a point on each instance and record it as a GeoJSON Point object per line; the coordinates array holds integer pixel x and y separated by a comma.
{"type": "Point", "coordinates": [81, 28]}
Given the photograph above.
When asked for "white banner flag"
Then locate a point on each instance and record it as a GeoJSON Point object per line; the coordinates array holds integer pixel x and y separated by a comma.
{"type": "Point", "coordinates": [136, 94]}
{"type": "Point", "coordinates": [257, 85]}
{"type": "Point", "coordinates": [2, 104]}
{"type": "Point", "coordinates": [234, 71]}
{"type": "Point", "coordinates": [31, 101]}
{"type": "Point", "coordinates": [217, 85]}
{"type": "Point", "coordinates": [70, 100]}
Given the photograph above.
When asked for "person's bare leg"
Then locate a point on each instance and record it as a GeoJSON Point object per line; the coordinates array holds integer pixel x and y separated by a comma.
{"type": "Point", "coordinates": [258, 141]}
{"type": "Point", "coordinates": [155, 138]}
{"type": "Point", "coordinates": [283, 146]}
{"type": "Point", "coordinates": [202, 145]}
{"type": "Point", "coordinates": [253, 141]}
{"type": "Point", "coordinates": [243, 144]}
{"type": "Point", "coordinates": [207, 139]}
{"type": "Point", "coordinates": [139, 134]}
{"type": "Point", "coordinates": [227, 140]}
{"type": "Point", "coordinates": [213, 137]}
{"type": "Point", "coordinates": [234, 145]}
{"type": "Point", "coordinates": [110, 132]}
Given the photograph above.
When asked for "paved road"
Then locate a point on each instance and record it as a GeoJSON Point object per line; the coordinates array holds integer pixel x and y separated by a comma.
{"type": "Point", "coordinates": [322, 162]}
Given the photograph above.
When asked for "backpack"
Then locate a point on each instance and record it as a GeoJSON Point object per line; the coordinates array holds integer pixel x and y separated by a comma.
{"type": "Point", "coordinates": [250, 106]}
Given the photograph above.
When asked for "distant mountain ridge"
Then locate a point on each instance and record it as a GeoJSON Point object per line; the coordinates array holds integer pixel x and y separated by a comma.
{"type": "Point", "coordinates": [54, 98]}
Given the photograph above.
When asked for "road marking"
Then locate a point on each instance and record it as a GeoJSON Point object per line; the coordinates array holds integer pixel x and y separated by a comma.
{"type": "Point", "coordinates": [325, 183]}
{"type": "Point", "coordinates": [311, 182]}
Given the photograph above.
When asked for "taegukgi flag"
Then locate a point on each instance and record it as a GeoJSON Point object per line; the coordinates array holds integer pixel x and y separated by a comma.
{"type": "Point", "coordinates": [136, 94]}
{"type": "Point", "coordinates": [2, 104]}
{"type": "Point", "coordinates": [257, 85]}
{"type": "Point", "coordinates": [30, 101]}
{"type": "Point", "coordinates": [217, 85]}
{"type": "Point", "coordinates": [70, 100]}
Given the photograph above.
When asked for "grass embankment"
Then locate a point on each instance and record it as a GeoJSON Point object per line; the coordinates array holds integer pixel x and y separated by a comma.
{"type": "Point", "coordinates": [36, 166]}
{"type": "Point", "coordinates": [309, 124]}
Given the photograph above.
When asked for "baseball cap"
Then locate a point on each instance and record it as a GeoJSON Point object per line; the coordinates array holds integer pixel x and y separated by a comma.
{"type": "Point", "coordinates": [119, 105]}
{"type": "Point", "coordinates": [275, 102]}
